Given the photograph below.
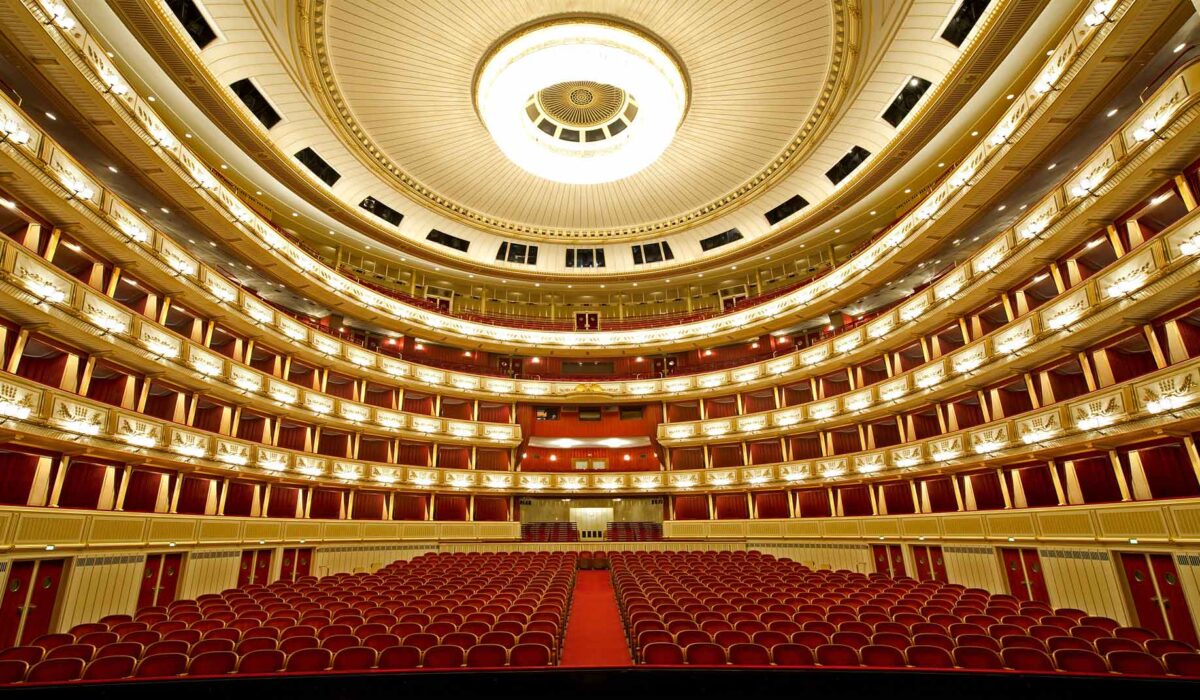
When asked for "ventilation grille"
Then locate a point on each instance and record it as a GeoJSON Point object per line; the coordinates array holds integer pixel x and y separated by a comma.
{"type": "Point", "coordinates": [254, 100]}
{"type": "Point", "coordinates": [783, 211]}
{"type": "Point", "coordinates": [323, 170]}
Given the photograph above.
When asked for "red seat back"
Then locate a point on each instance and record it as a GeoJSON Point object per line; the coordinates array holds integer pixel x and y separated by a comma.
{"type": "Point", "coordinates": [309, 660]}
{"type": "Point", "coordinates": [837, 655]}
{"type": "Point", "coordinates": [1135, 662]}
{"type": "Point", "coordinates": [212, 663]}
{"type": "Point", "coordinates": [55, 671]}
{"type": "Point", "coordinates": [882, 656]}
{"type": "Point", "coordinates": [531, 655]}
{"type": "Point", "coordinates": [487, 655]}
{"type": "Point", "coordinates": [399, 657]}
{"type": "Point", "coordinates": [977, 658]}
{"type": "Point", "coordinates": [1079, 661]}
{"type": "Point", "coordinates": [750, 654]}
{"type": "Point", "coordinates": [792, 655]}
{"type": "Point", "coordinates": [359, 658]}
{"type": "Point", "coordinates": [261, 661]}
{"type": "Point", "coordinates": [662, 654]}
{"type": "Point", "coordinates": [1026, 659]}
{"type": "Point", "coordinates": [162, 665]}
{"type": "Point", "coordinates": [443, 656]}
{"type": "Point", "coordinates": [928, 656]}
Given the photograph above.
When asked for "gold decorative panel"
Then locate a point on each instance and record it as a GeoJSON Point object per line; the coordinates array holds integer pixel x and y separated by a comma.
{"type": "Point", "coordinates": [116, 529]}
{"type": "Point", "coordinates": [1072, 524]}
{"type": "Point", "coordinates": [1133, 522]}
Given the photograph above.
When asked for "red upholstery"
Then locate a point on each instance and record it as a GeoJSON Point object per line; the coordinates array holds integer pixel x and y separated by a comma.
{"type": "Point", "coordinates": [13, 671]}
{"type": "Point", "coordinates": [487, 655]}
{"type": "Point", "coordinates": [977, 658]}
{"type": "Point", "coordinates": [880, 656]}
{"type": "Point", "coordinates": [749, 655]}
{"type": "Point", "coordinates": [358, 658]}
{"type": "Point", "coordinates": [1182, 663]}
{"type": "Point", "coordinates": [1024, 659]}
{"type": "Point", "coordinates": [162, 665]}
{"type": "Point", "coordinates": [213, 663]}
{"type": "Point", "coordinates": [55, 671]}
{"type": "Point", "coordinates": [924, 656]}
{"type": "Point", "coordinates": [1135, 662]}
{"type": "Point", "coordinates": [399, 657]}
{"type": "Point", "coordinates": [792, 655]}
{"type": "Point", "coordinates": [662, 653]}
{"type": "Point", "coordinates": [261, 661]}
{"type": "Point", "coordinates": [705, 654]}
{"type": "Point", "coordinates": [837, 655]}
{"type": "Point", "coordinates": [107, 668]}
{"type": "Point", "coordinates": [443, 656]}
{"type": "Point", "coordinates": [532, 655]}
{"type": "Point", "coordinates": [309, 660]}
{"type": "Point", "coordinates": [1079, 661]}
{"type": "Point", "coordinates": [72, 651]}
{"type": "Point", "coordinates": [29, 654]}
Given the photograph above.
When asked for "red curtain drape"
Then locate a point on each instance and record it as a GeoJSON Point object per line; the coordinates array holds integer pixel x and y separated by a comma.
{"type": "Point", "coordinates": [941, 495]}
{"type": "Point", "coordinates": [805, 446]}
{"type": "Point", "coordinates": [453, 457]}
{"type": "Point", "coordinates": [771, 504]}
{"type": "Point", "coordinates": [687, 458]}
{"type": "Point", "coordinates": [813, 503]}
{"type": "Point", "coordinates": [418, 404]}
{"type": "Point", "coordinates": [293, 437]}
{"type": "Point", "coordinates": [846, 441]}
{"type": "Point", "coordinates": [141, 496]}
{"type": "Point", "coordinates": [456, 409]}
{"type": "Point", "coordinates": [491, 460]}
{"type": "Point", "coordinates": [81, 485]}
{"type": "Point", "coordinates": [409, 506]}
{"type": "Point", "coordinates": [1038, 485]}
{"type": "Point", "coordinates": [239, 498]}
{"type": "Point", "coordinates": [326, 504]}
{"type": "Point", "coordinates": [494, 413]}
{"type": "Point", "coordinates": [766, 452]}
{"type": "Point", "coordinates": [46, 370]}
{"type": "Point", "coordinates": [1097, 481]}
{"type": "Point", "coordinates": [898, 498]}
{"type": "Point", "coordinates": [373, 450]}
{"type": "Point", "coordinates": [413, 454]}
{"type": "Point", "coordinates": [1169, 472]}
{"type": "Point", "coordinates": [334, 444]}
{"type": "Point", "coordinates": [17, 472]}
{"type": "Point", "coordinates": [721, 407]}
{"type": "Point", "coordinates": [193, 495]}
{"type": "Point", "coordinates": [369, 505]}
{"type": "Point", "coordinates": [283, 502]}
{"type": "Point", "coordinates": [683, 411]}
{"type": "Point", "coordinates": [856, 500]}
{"type": "Point", "coordinates": [691, 507]}
{"type": "Point", "coordinates": [724, 456]}
{"type": "Point", "coordinates": [731, 506]}
{"type": "Point", "coordinates": [539, 459]}
{"type": "Point", "coordinates": [110, 390]}
{"type": "Point", "coordinates": [986, 486]}
{"type": "Point", "coordinates": [453, 508]}
{"type": "Point", "coordinates": [491, 508]}
{"type": "Point", "coordinates": [758, 402]}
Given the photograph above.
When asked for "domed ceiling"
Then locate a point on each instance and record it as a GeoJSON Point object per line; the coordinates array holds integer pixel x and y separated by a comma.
{"type": "Point", "coordinates": [399, 78]}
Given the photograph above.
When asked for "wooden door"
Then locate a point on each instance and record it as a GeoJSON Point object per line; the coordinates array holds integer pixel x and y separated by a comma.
{"type": "Point", "coordinates": [923, 570]}
{"type": "Point", "coordinates": [246, 569]}
{"type": "Point", "coordinates": [287, 565]}
{"type": "Point", "coordinates": [1172, 599]}
{"type": "Point", "coordinates": [43, 598]}
{"type": "Point", "coordinates": [896, 553]}
{"type": "Point", "coordinates": [937, 564]}
{"type": "Point", "coordinates": [304, 562]}
{"type": "Point", "coordinates": [16, 595]}
{"type": "Point", "coordinates": [879, 553]}
{"type": "Point", "coordinates": [262, 566]}
{"type": "Point", "coordinates": [168, 578]}
{"type": "Point", "coordinates": [148, 588]}
{"type": "Point", "coordinates": [1035, 576]}
{"type": "Point", "coordinates": [1014, 571]}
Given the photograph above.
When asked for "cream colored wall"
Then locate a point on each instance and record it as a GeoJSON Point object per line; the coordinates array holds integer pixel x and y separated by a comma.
{"type": "Point", "coordinates": [96, 586]}
{"type": "Point", "coordinates": [1087, 579]}
{"type": "Point", "coordinates": [209, 571]}
{"type": "Point", "coordinates": [822, 555]}
{"type": "Point", "coordinates": [974, 567]}
{"type": "Point", "coordinates": [354, 559]}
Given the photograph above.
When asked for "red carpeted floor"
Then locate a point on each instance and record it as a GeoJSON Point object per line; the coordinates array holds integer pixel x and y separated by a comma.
{"type": "Point", "coordinates": [594, 633]}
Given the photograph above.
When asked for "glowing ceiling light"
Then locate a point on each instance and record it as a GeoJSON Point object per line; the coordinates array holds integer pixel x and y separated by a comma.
{"type": "Point", "coordinates": [581, 102]}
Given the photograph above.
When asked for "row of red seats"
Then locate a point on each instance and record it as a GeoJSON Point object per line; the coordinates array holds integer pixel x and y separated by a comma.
{"type": "Point", "coordinates": [1019, 659]}
{"type": "Point", "coordinates": [449, 609]}
{"type": "Point", "coordinates": [356, 659]}
{"type": "Point", "coordinates": [716, 603]}
{"type": "Point", "coordinates": [549, 532]}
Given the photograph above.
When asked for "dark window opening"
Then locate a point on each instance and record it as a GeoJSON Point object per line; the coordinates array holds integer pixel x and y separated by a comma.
{"type": "Point", "coordinates": [964, 20]}
{"type": "Point", "coordinates": [783, 211]}
{"type": "Point", "coordinates": [847, 164]}
{"type": "Point", "coordinates": [254, 100]}
{"type": "Point", "coordinates": [193, 21]}
{"type": "Point", "coordinates": [447, 240]}
{"type": "Point", "coordinates": [908, 98]}
{"type": "Point", "coordinates": [382, 210]}
{"type": "Point", "coordinates": [720, 239]}
{"type": "Point", "coordinates": [323, 170]}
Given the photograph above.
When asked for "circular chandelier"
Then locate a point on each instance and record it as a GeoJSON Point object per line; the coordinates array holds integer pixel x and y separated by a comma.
{"type": "Point", "coordinates": [581, 101]}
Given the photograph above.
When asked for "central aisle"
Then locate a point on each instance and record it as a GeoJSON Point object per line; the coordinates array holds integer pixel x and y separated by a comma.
{"type": "Point", "coordinates": [595, 636]}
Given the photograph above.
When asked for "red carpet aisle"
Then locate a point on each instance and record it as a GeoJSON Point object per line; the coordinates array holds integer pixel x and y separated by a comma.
{"type": "Point", "coordinates": [594, 633]}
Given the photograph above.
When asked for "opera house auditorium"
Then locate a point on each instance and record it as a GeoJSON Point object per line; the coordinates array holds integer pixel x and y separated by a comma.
{"type": "Point", "coordinates": [406, 348]}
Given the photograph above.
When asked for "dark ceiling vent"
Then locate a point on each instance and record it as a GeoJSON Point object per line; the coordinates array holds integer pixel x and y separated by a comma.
{"type": "Point", "coordinates": [847, 164]}
{"type": "Point", "coordinates": [914, 88]}
{"type": "Point", "coordinates": [647, 253]}
{"type": "Point", "coordinates": [382, 210]}
{"type": "Point", "coordinates": [720, 239]}
{"type": "Point", "coordinates": [318, 166]}
{"type": "Point", "coordinates": [254, 100]}
{"type": "Point", "coordinates": [783, 211]}
{"type": "Point", "coordinates": [193, 21]}
{"type": "Point", "coordinates": [449, 241]}
{"type": "Point", "coordinates": [963, 20]}
{"type": "Point", "coordinates": [518, 253]}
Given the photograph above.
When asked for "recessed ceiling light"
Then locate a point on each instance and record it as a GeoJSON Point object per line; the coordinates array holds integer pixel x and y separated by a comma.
{"type": "Point", "coordinates": [1113, 112]}
{"type": "Point", "coordinates": [1179, 48]}
{"type": "Point", "coordinates": [152, 98]}
{"type": "Point", "coordinates": [1052, 166]}
{"type": "Point", "coordinates": [974, 133]}
{"type": "Point", "coordinates": [907, 190]}
{"type": "Point", "coordinates": [164, 210]}
{"type": "Point", "coordinates": [188, 135]}
{"type": "Point", "coordinates": [1010, 96]}
{"type": "Point", "coordinates": [224, 166]}
{"type": "Point", "coordinates": [295, 213]}
{"type": "Point", "coordinates": [1002, 207]}
{"type": "Point", "coordinates": [113, 169]}
{"type": "Point", "coordinates": [941, 165]}
{"type": "Point", "coordinates": [51, 117]}
{"type": "Point", "coordinates": [8, 204]}
{"type": "Point", "coordinates": [872, 212]}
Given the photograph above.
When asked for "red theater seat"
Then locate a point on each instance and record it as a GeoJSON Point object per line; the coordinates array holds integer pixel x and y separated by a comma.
{"type": "Point", "coordinates": [13, 671]}
{"type": "Point", "coordinates": [1079, 661]}
{"type": "Point", "coordinates": [1024, 659]}
{"type": "Point", "coordinates": [881, 656]}
{"type": "Point", "coordinates": [213, 663]}
{"type": "Point", "coordinates": [443, 656]}
{"type": "Point", "coordinates": [1135, 663]}
{"type": "Point", "coordinates": [399, 657]}
{"type": "Point", "coordinates": [705, 654]}
{"type": "Point", "coordinates": [977, 658]}
{"type": "Point", "coordinates": [749, 655]}
{"type": "Point", "coordinates": [837, 655]}
{"type": "Point", "coordinates": [924, 656]}
{"type": "Point", "coordinates": [72, 651]}
{"type": "Point", "coordinates": [487, 655]}
{"type": "Point", "coordinates": [662, 654]}
{"type": "Point", "coordinates": [532, 655]}
{"type": "Point", "coordinates": [309, 660]}
{"type": "Point", "coordinates": [1182, 663]}
{"type": "Point", "coordinates": [108, 668]}
{"type": "Point", "coordinates": [792, 655]}
{"type": "Point", "coordinates": [55, 671]}
{"type": "Point", "coordinates": [162, 665]}
{"type": "Point", "coordinates": [355, 659]}
{"type": "Point", "coordinates": [261, 661]}
{"type": "Point", "coordinates": [29, 654]}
